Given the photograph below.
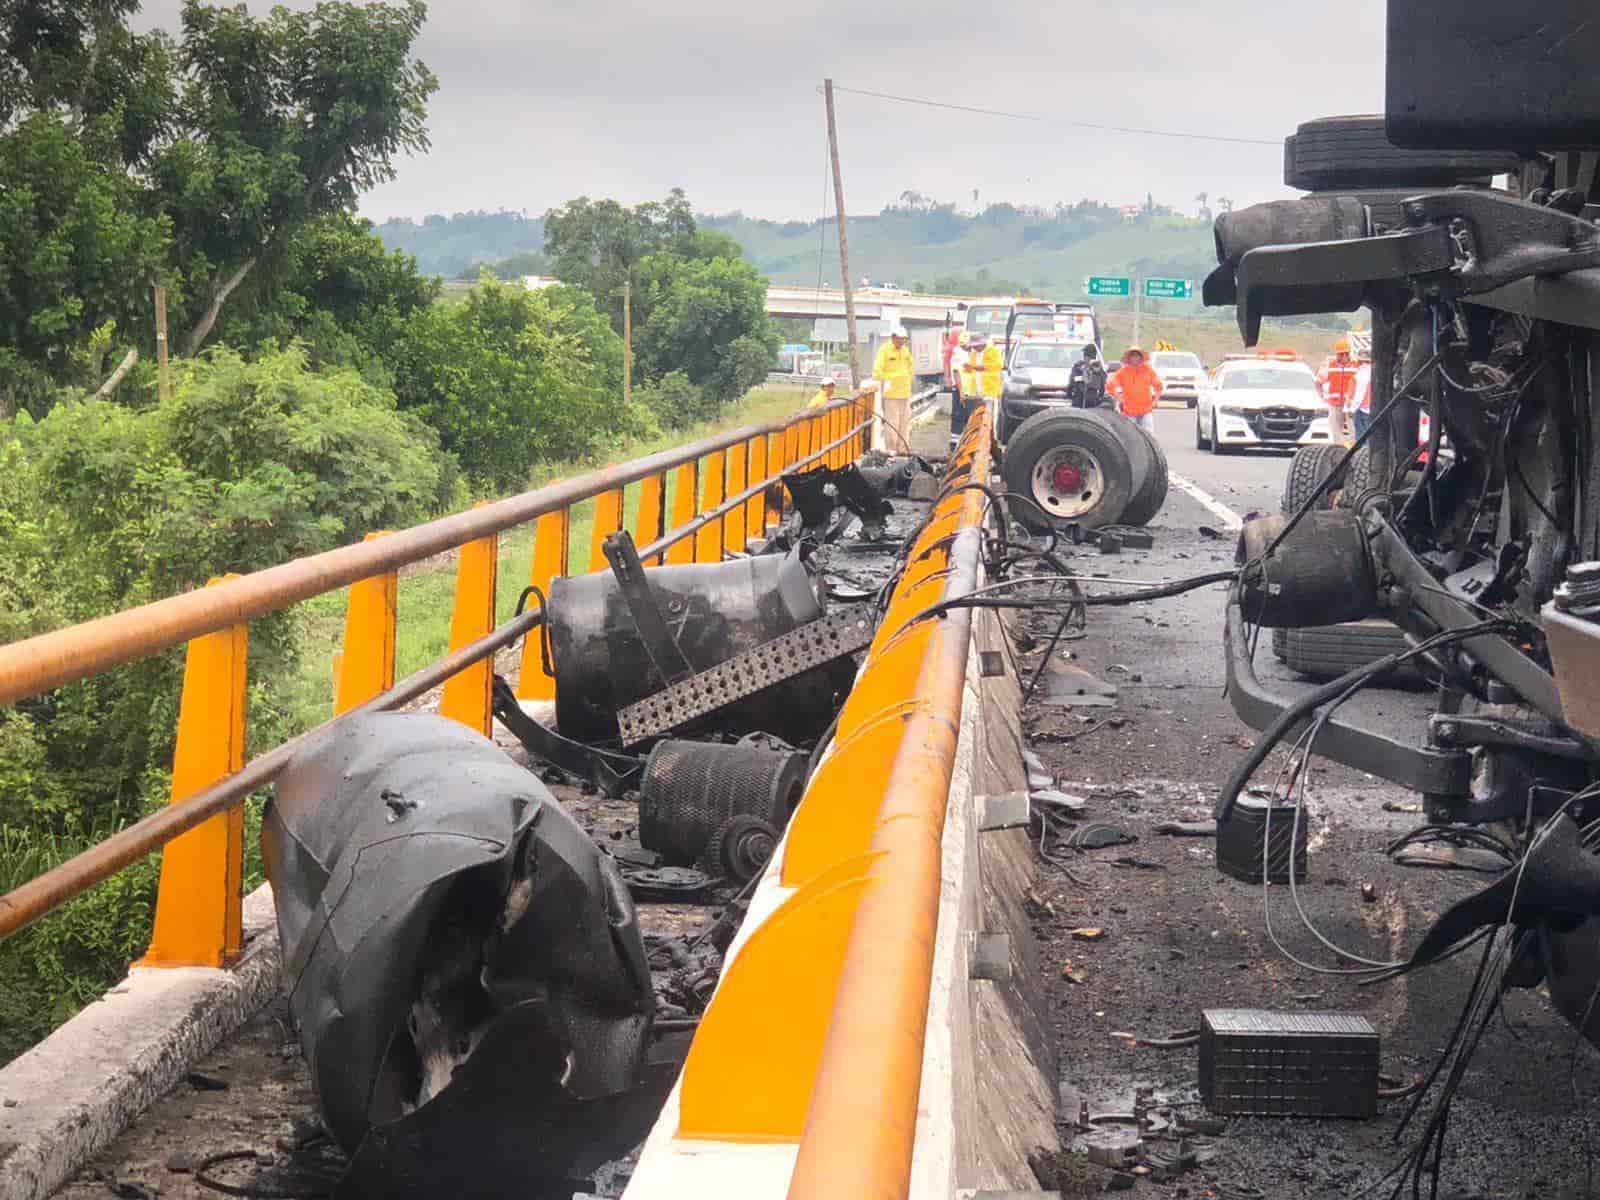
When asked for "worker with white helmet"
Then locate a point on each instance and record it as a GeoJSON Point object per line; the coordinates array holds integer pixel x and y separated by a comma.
{"type": "Point", "coordinates": [892, 372]}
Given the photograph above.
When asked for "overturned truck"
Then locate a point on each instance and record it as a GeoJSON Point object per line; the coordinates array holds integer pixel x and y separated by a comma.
{"type": "Point", "coordinates": [1468, 222]}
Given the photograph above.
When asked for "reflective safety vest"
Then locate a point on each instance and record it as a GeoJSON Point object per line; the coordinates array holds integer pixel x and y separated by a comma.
{"type": "Point", "coordinates": [894, 368]}
{"type": "Point", "coordinates": [1338, 380]}
{"type": "Point", "coordinates": [1137, 387]}
{"type": "Point", "coordinates": [994, 365]}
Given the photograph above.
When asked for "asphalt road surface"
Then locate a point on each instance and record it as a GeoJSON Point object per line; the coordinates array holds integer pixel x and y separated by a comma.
{"type": "Point", "coordinates": [1179, 937]}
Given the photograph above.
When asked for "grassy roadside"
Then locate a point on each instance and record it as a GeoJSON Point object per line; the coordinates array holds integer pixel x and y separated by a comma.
{"type": "Point", "coordinates": [427, 593]}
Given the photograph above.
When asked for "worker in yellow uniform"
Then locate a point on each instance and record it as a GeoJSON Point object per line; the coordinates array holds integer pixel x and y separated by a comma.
{"type": "Point", "coordinates": [824, 395]}
{"type": "Point", "coordinates": [972, 370]}
{"type": "Point", "coordinates": [892, 372]}
{"type": "Point", "coordinates": [993, 365]}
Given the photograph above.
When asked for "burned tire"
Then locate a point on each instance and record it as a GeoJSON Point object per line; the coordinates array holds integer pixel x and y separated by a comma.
{"type": "Point", "coordinates": [741, 847]}
{"type": "Point", "coordinates": [1309, 468]}
{"type": "Point", "coordinates": [1338, 153]}
{"type": "Point", "coordinates": [1149, 499]}
{"type": "Point", "coordinates": [1329, 651]}
{"type": "Point", "coordinates": [1068, 466]}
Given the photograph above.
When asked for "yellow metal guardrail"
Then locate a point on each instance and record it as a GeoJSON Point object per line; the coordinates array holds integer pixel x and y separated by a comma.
{"type": "Point", "coordinates": [722, 490]}
{"type": "Point", "coordinates": [815, 1034]}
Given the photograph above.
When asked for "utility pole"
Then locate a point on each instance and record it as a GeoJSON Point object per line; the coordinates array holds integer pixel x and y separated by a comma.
{"type": "Point", "coordinates": [1138, 304]}
{"type": "Point", "coordinates": [163, 373]}
{"type": "Point", "coordinates": [627, 341]}
{"type": "Point", "coordinates": [844, 244]}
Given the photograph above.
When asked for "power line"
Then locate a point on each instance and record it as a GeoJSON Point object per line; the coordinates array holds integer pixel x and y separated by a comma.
{"type": "Point", "coordinates": [1053, 120]}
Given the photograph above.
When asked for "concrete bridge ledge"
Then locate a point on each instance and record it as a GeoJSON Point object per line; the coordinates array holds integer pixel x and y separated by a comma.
{"type": "Point", "coordinates": [72, 1094]}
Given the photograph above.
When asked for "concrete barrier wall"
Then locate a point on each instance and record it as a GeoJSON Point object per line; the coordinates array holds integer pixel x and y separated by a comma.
{"type": "Point", "coordinates": [988, 1098]}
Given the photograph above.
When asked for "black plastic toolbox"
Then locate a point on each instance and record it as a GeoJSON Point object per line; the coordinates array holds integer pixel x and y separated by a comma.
{"type": "Point", "coordinates": [1254, 1062]}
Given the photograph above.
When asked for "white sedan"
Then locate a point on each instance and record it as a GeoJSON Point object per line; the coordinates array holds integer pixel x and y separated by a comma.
{"type": "Point", "coordinates": [1260, 402]}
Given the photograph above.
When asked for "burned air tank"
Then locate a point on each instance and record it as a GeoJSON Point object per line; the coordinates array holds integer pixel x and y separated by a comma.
{"type": "Point", "coordinates": [606, 658]}
{"type": "Point", "coordinates": [463, 963]}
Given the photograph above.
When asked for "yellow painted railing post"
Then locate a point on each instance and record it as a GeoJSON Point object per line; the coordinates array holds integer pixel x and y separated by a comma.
{"type": "Point", "coordinates": [733, 523]}
{"type": "Point", "coordinates": [607, 520]}
{"type": "Point", "coordinates": [708, 541]}
{"type": "Point", "coordinates": [467, 693]}
{"type": "Point", "coordinates": [198, 904]}
{"type": "Point", "coordinates": [366, 663]}
{"type": "Point", "coordinates": [755, 511]}
{"type": "Point", "coordinates": [777, 464]}
{"type": "Point", "coordinates": [652, 510]}
{"type": "Point", "coordinates": [550, 535]}
{"type": "Point", "coordinates": [685, 482]}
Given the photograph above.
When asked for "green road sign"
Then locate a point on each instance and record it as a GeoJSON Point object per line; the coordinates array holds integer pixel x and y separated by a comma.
{"type": "Point", "coordinates": [1169, 289]}
{"type": "Point", "coordinates": [1108, 285]}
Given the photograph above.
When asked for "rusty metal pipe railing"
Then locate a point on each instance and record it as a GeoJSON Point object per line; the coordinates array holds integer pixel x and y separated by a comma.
{"type": "Point", "coordinates": [53, 659]}
{"type": "Point", "coordinates": [64, 656]}
{"type": "Point", "coordinates": [662, 543]}
{"type": "Point", "coordinates": [860, 1127]}
{"type": "Point", "coordinates": [40, 895]}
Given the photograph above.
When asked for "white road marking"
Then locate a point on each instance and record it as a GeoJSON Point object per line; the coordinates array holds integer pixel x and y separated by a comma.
{"type": "Point", "coordinates": [1231, 521]}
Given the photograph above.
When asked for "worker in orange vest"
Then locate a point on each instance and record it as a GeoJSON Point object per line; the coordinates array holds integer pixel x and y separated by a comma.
{"type": "Point", "coordinates": [1137, 389]}
{"type": "Point", "coordinates": [1338, 380]}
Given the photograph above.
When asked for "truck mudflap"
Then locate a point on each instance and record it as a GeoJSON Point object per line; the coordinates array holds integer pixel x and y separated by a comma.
{"type": "Point", "coordinates": [1258, 705]}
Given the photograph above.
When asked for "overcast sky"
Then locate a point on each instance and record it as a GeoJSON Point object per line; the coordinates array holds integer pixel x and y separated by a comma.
{"type": "Point", "coordinates": [539, 102]}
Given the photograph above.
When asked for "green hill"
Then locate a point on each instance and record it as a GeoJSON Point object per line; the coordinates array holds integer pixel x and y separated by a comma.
{"type": "Point", "coordinates": [917, 244]}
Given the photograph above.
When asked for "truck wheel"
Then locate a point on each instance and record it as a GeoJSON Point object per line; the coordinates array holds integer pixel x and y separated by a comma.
{"type": "Point", "coordinates": [1359, 482]}
{"type": "Point", "coordinates": [1149, 499]}
{"type": "Point", "coordinates": [1307, 470]}
{"type": "Point", "coordinates": [1067, 466]}
{"type": "Point", "coordinates": [1337, 153]}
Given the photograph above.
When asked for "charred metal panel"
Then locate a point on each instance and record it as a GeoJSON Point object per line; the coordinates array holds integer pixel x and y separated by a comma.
{"type": "Point", "coordinates": [463, 963]}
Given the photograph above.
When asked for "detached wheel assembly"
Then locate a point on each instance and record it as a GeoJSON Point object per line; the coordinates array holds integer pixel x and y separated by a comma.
{"type": "Point", "coordinates": [1148, 501]}
{"type": "Point", "coordinates": [1073, 467]}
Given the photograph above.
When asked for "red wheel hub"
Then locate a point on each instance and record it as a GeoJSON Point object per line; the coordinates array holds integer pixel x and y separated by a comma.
{"type": "Point", "coordinates": [1067, 478]}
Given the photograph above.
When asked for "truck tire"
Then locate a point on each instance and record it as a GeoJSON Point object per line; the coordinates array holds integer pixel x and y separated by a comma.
{"type": "Point", "coordinates": [1149, 499]}
{"type": "Point", "coordinates": [1359, 482]}
{"type": "Point", "coordinates": [1329, 651]}
{"type": "Point", "coordinates": [1068, 466]}
{"type": "Point", "coordinates": [1337, 153]}
{"type": "Point", "coordinates": [1308, 469]}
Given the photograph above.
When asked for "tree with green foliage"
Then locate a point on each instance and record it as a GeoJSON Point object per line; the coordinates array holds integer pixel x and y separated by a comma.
{"type": "Point", "coordinates": [128, 159]}
{"type": "Point", "coordinates": [512, 377]}
{"type": "Point", "coordinates": [340, 292]}
{"type": "Point", "coordinates": [596, 244]}
{"type": "Point", "coordinates": [708, 319]}
{"type": "Point", "coordinates": [104, 506]}
{"type": "Point", "coordinates": [699, 308]}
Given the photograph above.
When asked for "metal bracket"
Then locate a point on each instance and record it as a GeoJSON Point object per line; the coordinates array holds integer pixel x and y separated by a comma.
{"type": "Point", "coordinates": [1005, 810]}
{"type": "Point", "coordinates": [989, 957]}
{"type": "Point", "coordinates": [841, 632]}
{"type": "Point", "coordinates": [658, 641]}
{"type": "Point", "coordinates": [614, 773]}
